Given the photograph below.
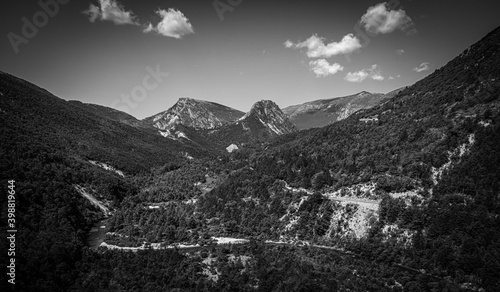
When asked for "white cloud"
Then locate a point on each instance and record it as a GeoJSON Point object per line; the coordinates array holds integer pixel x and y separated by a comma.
{"type": "Point", "coordinates": [377, 77]}
{"type": "Point", "coordinates": [316, 48]}
{"type": "Point", "coordinates": [322, 68]}
{"type": "Point", "coordinates": [422, 67]}
{"type": "Point", "coordinates": [400, 52]}
{"type": "Point", "coordinates": [111, 10]}
{"type": "Point", "coordinates": [149, 28]}
{"type": "Point", "coordinates": [356, 76]}
{"type": "Point", "coordinates": [288, 44]}
{"type": "Point", "coordinates": [359, 76]}
{"type": "Point", "coordinates": [379, 20]}
{"type": "Point", "coordinates": [392, 77]}
{"type": "Point", "coordinates": [173, 24]}
{"type": "Point", "coordinates": [93, 12]}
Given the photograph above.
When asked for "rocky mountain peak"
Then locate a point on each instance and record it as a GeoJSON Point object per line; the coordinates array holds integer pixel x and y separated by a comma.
{"type": "Point", "coordinates": [194, 113]}
{"type": "Point", "coordinates": [182, 101]}
{"type": "Point", "coordinates": [269, 114]}
{"type": "Point", "coordinates": [264, 108]}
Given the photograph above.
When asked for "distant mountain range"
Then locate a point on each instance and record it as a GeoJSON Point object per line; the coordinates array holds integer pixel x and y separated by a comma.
{"type": "Point", "coordinates": [319, 113]}
{"type": "Point", "coordinates": [222, 125]}
{"type": "Point", "coordinates": [217, 126]}
{"type": "Point", "coordinates": [193, 125]}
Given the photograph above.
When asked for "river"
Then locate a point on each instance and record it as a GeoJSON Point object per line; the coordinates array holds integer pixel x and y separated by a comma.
{"type": "Point", "coordinates": [96, 234]}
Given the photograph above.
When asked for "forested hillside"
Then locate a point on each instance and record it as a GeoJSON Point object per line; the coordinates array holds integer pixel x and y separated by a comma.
{"type": "Point", "coordinates": [36, 116]}
{"type": "Point", "coordinates": [49, 147]}
{"type": "Point", "coordinates": [427, 161]}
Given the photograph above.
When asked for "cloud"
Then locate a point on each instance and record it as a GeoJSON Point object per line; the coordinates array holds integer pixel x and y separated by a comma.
{"type": "Point", "coordinates": [392, 77]}
{"type": "Point", "coordinates": [359, 76]}
{"type": "Point", "coordinates": [422, 67]}
{"type": "Point", "coordinates": [377, 77]}
{"type": "Point", "coordinates": [316, 48]}
{"type": "Point", "coordinates": [173, 24]}
{"type": "Point", "coordinates": [322, 68]}
{"type": "Point", "coordinates": [400, 52]}
{"type": "Point", "coordinates": [111, 10]}
{"type": "Point", "coordinates": [379, 20]}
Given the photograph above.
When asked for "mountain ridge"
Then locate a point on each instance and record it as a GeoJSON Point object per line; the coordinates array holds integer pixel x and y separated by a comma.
{"type": "Point", "coordinates": [219, 126]}
{"type": "Point", "coordinates": [265, 120]}
{"type": "Point", "coordinates": [271, 116]}
{"type": "Point", "coordinates": [88, 131]}
{"type": "Point", "coordinates": [417, 186]}
{"type": "Point", "coordinates": [322, 112]}
{"type": "Point", "coordinates": [198, 114]}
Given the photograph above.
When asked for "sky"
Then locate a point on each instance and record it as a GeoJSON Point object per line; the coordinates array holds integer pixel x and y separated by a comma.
{"type": "Point", "coordinates": [142, 56]}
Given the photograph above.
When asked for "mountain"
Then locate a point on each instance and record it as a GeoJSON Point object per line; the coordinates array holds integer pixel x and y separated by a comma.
{"type": "Point", "coordinates": [62, 160]}
{"type": "Point", "coordinates": [110, 113]}
{"type": "Point", "coordinates": [319, 113]}
{"type": "Point", "coordinates": [214, 126]}
{"type": "Point", "coordinates": [264, 120]}
{"type": "Point", "coordinates": [270, 116]}
{"type": "Point", "coordinates": [413, 181]}
{"type": "Point", "coordinates": [35, 116]}
{"type": "Point", "coordinates": [198, 114]}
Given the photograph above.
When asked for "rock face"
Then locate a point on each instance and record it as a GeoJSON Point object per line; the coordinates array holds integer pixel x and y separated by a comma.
{"type": "Point", "coordinates": [213, 125]}
{"type": "Point", "coordinates": [319, 113]}
{"type": "Point", "coordinates": [269, 115]}
{"type": "Point", "coordinates": [231, 148]}
{"type": "Point", "coordinates": [198, 114]}
{"type": "Point", "coordinates": [265, 120]}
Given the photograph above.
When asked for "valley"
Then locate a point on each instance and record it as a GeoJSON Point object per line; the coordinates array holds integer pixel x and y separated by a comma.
{"type": "Point", "coordinates": [368, 192]}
